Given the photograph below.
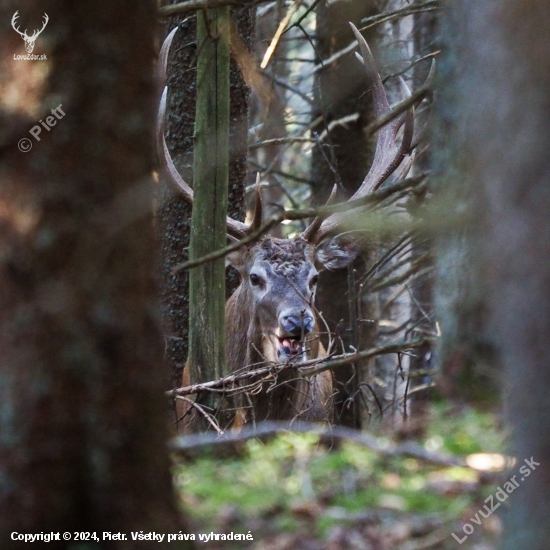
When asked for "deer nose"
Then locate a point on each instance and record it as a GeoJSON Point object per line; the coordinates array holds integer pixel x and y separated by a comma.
{"type": "Point", "coordinates": [296, 322]}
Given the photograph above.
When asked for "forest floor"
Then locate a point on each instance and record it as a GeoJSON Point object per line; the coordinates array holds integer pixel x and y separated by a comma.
{"type": "Point", "coordinates": [293, 493]}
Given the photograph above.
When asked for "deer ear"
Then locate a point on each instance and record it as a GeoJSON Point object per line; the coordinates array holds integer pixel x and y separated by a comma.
{"type": "Point", "coordinates": [338, 252]}
{"type": "Point", "coordinates": [235, 259]}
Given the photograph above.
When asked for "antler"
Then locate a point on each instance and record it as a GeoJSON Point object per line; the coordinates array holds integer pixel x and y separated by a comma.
{"type": "Point", "coordinates": [388, 155]}
{"type": "Point", "coordinates": [234, 228]}
{"type": "Point", "coordinates": [36, 33]}
{"type": "Point", "coordinates": [24, 34]}
{"type": "Point", "coordinates": [13, 20]}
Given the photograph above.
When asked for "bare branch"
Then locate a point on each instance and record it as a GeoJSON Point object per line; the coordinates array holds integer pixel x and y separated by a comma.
{"type": "Point", "coordinates": [271, 222]}
{"type": "Point", "coordinates": [208, 417]}
{"type": "Point", "coordinates": [197, 442]}
{"type": "Point", "coordinates": [277, 218]}
{"type": "Point", "coordinates": [280, 141]}
{"type": "Point", "coordinates": [348, 358]}
{"type": "Point", "coordinates": [193, 5]}
{"type": "Point", "coordinates": [278, 33]}
{"type": "Point", "coordinates": [430, 5]}
{"type": "Point", "coordinates": [315, 366]}
{"type": "Point", "coordinates": [401, 107]}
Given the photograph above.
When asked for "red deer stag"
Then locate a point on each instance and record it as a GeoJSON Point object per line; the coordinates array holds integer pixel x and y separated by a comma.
{"type": "Point", "coordinates": [271, 317]}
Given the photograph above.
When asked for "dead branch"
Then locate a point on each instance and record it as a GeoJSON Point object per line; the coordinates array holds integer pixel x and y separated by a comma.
{"type": "Point", "coordinates": [208, 417]}
{"type": "Point", "coordinates": [374, 198]}
{"type": "Point", "coordinates": [307, 369]}
{"type": "Point", "coordinates": [401, 107]}
{"type": "Point", "coordinates": [280, 141]}
{"type": "Point", "coordinates": [430, 5]}
{"type": "Point", "coordinates": [346, 359]}
{"type": "Point", "coordinates": [190, 444]}
{"type": "Point", "coordinates": [194, 5]}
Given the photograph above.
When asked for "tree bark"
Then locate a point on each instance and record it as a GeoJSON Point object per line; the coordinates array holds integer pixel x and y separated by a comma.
{"type": "Point", "coordinates": [173, 214]}
{"type": "Point", "coordinates": [500, 143]}
{"type": "Point", "coordinates": [339, 91]}
{"type": "Point", "coordinates": [83, 444]}
{"type": "Point", "coordinates": [211, 170]}
{"type": "Point", "coordinates": [421, 289]}
{"type": "Point", "coordinates": [468, 372]}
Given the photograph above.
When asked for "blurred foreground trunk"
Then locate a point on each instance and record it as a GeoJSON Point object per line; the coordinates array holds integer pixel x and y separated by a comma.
{"type": "Point", "coordinates": [83, 445]}
{"type": "Point", "coordinates": [500, 143]}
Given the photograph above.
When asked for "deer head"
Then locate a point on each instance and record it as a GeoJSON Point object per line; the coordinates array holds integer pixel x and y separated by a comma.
{"type": "Point", "coordinates": [277, 292]}
{"type": "Point", "coordinates": [29, 40]}
{"type": "Point", "coordinates": [271, 316]}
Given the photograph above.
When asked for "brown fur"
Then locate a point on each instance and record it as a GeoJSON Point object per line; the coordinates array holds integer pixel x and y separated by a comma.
{"type": "Point", "coordinates": [252, 325]}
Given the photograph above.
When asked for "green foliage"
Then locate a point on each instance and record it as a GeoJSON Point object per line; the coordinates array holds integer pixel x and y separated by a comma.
{"type": "Point", "coordinates": [464, 430]}
{"type": "Point", "coordinates": [300, 485]}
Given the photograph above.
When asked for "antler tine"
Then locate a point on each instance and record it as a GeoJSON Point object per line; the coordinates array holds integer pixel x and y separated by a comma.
{"type": "Point", "coordinates": [37, 32]}
{"type": "Point", "coordinates": [234, 228]}
{"type": "Point", "coordinates": [258, 206]}
{"type": "Point", "coordinates": [163, 57]}
{"type": "Point", "coordinates": [309, 233]}
{"type": "Point", "coordinates": [388, 154]}
{"type": "Point", "coordinates": [13, 23]}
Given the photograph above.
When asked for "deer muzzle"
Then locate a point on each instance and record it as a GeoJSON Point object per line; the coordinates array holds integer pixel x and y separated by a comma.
{"type": "Point", "coordinates": [294, 325]}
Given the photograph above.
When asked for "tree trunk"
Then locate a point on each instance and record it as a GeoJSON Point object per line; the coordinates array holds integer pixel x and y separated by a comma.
{"type": "Point", "coordinates": [421, 289]}
{"type": "Point", "coordinates": [173, 214]}
{"type": "Point", "coordinates": [465, 349]}
{"type": "Point", "coordinates": [500, 147]}
{"type": "Point", "coordinates": [340, 91]}
{"type": "Point", "coordinates": [211, 170]}
{"type": "Point", "coordinates": [268, 110]}
{"type": "Point", "coordinates": [83, 444]}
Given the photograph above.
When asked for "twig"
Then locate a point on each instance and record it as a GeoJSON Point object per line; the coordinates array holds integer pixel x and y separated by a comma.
{"type": "Point", "coordinates": [280, 141]}
{"type": "Point", "coordinates": [278, 33]}
{"type": "Point", "coordinates": [217, 254]}
{"type": "Point", "coordinates": [353, 357]}
{"type": "Point", "coordinates": [401, 107]}
{"type": "Point", "coordinates": [197, 442]}
{"type": "Point", "coordinates": [334, 123]}
{"type": "Point", "coordinates": [288, 87]}
{"type": "Point", "coordinates": [430, 5]}
{"type": "Point", "coordinates": [325, 62]}
{"type": "Point", "coordinates": [315, 366]}
{"type": "Point", "coordinates": [411, 65]}
{"type": "Point", "coordinates": [267, 170]}
{"type": "Point", "coordinates": [412, 272]}
{"type": "Point", "coordinates": [303, 16]}
{"type": "Point", "coordinates": [203, 412]}
{"type": "Point", "coordinates": [193, 5]}
{"type": "Point", "coordinates": [375, 197]}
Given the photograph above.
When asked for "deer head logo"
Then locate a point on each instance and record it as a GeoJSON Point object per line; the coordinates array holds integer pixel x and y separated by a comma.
{"type": "Point", "coordinates": [29, 40]}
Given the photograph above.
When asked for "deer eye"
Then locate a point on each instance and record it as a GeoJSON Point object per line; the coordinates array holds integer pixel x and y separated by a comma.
{"type": "Point", "coordinates": [254, 279]}
{"type": "Point", "coordinates": [313, 281]}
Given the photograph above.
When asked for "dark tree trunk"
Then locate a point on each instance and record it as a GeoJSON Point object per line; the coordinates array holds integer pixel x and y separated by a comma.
{"type": "Point", "coordinates": [173, 215]}
{"type": "Point", "coordinates": [83, 444]}
{"type": "Point", "coordinates": [268, 109]}
{"type": "Point", "coordinates": [465, 349]}
{"type": "Point", "coordinates": [340, 91]}
{"type": "Point", "coordinates": [500, 144]}
{"type": "Point", "coordinates": [421, 288]}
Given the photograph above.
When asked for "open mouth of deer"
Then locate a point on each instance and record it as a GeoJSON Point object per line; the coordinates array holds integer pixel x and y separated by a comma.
{"type": "Point", "coordinates": [290, 346]}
